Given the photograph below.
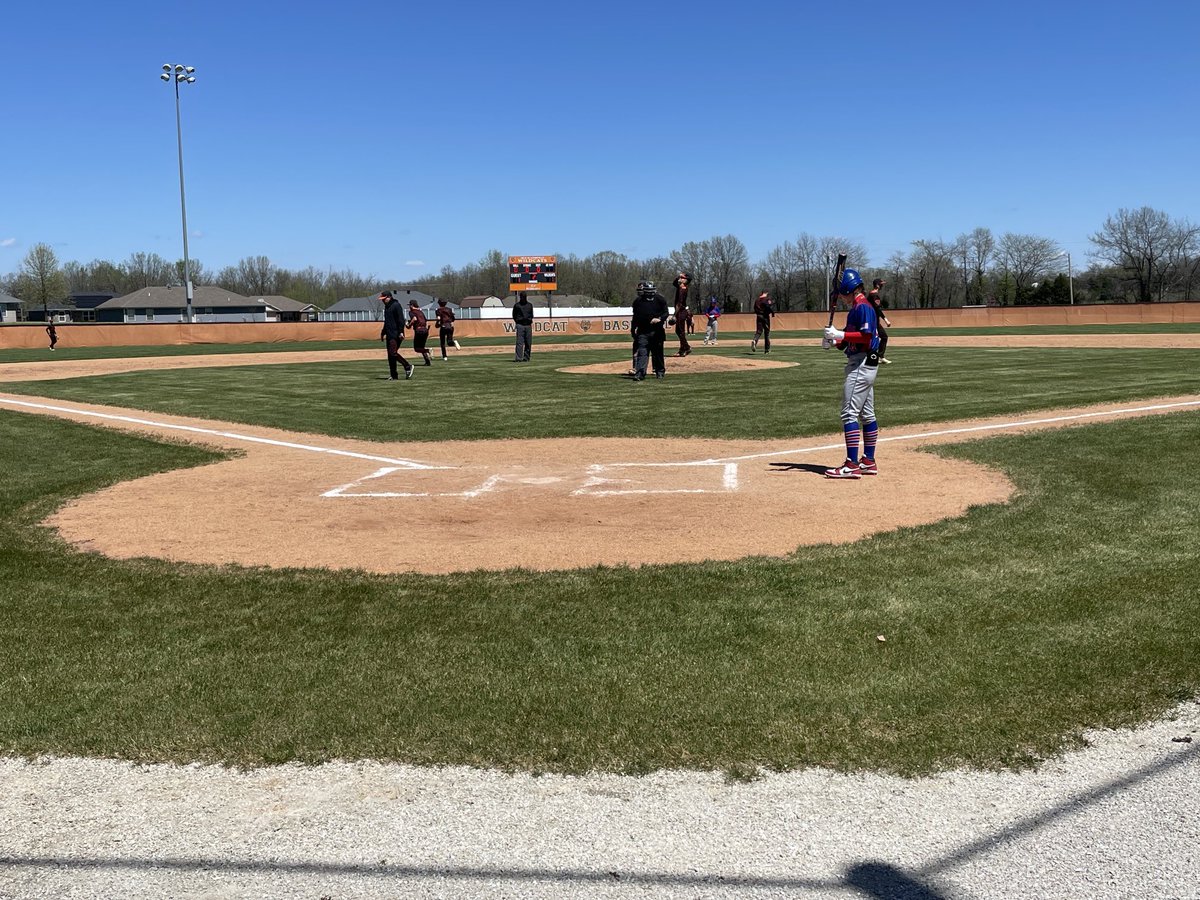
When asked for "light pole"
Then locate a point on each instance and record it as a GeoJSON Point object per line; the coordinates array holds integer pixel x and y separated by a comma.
{"type": "Point", "coordinates": [1070, 277]}
{"type": "Point", "coordinates": [182, 75]}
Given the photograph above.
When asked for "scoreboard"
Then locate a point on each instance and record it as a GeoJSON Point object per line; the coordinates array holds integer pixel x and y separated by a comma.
{"type": "Point", "coordinates": [532, 273]}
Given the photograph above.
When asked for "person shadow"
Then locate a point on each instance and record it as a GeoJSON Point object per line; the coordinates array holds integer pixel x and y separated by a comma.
{"type": "Point", "coordinates": [797, 467]}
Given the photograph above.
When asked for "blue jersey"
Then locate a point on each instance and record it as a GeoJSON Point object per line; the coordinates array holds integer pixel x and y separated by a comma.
{"type": "Point", "coordinates": [862, 318]}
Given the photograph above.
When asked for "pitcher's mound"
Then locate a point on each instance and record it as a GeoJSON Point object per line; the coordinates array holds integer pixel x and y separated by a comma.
{"type": "Point", "coordinates": [687, 365]}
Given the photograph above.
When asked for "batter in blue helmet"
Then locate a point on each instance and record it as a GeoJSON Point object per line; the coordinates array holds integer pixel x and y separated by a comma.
{"type": "Point", "coordinates": [859, 340]}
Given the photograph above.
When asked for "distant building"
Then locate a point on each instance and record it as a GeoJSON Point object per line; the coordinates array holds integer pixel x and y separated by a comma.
{"type": "Point", "coordinates": [10, 308]}
{"type": "Point", "coordinates": [370, 309]}
{"type": "Point", "coordinates": [85, 304]}
{"type": "Point", "coordinates": [169, 304]}
{"type": "Point", "coordinates": [290, 310]}
{"type": "Point", "coordinates": [471, 306]}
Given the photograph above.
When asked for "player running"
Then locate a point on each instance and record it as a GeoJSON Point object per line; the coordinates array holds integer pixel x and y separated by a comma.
{"type": "Point", "coordinates": [859, 340]}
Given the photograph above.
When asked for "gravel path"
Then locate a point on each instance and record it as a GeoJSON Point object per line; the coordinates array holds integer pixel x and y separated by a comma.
{"type": "Point", "coordinates": [1118, 819]}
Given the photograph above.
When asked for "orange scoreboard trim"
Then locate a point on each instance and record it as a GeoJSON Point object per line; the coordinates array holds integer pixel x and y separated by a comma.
{"type": "Point", "coordinates": [532, 273]}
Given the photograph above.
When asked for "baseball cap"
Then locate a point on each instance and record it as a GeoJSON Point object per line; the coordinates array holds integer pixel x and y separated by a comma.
{"type": "Point", "coordinates": [386, 295]}
{"type": "Point", "coordinates": [878, 282]}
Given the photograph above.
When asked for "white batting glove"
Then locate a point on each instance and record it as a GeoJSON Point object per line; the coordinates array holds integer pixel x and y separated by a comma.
{"type": "Point", "coordinates": [833, 335]}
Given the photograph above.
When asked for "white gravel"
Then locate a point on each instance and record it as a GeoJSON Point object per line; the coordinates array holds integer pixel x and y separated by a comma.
{"type": "Point", "coordinates": [1119, 819]}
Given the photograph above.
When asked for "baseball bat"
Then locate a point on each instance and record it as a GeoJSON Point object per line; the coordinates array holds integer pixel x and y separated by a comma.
{"type": "Point", "coordinates": [837, 276]}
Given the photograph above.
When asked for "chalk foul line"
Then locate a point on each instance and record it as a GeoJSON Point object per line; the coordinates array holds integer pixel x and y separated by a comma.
{"type": "Point", "coordinates": [231, 435]}
{"type": "Point", "coordinates": [597, 479]}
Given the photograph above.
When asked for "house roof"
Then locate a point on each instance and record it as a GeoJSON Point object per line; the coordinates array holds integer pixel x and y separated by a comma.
{"type": "Point", "coordinates": [374, 305]}
{"type": "Point", "coordinates": [477, 301]}
{"type": "Point", "coordinates": [10, 300]}
{"type": "Point", "coordinates": [176, 298]}
{"type": "Point", "coordinates": [356, 304]}
{"type": "Point", "coordinates": [285, 304]}
{"type": "Point", "coordinates": [573, 301]}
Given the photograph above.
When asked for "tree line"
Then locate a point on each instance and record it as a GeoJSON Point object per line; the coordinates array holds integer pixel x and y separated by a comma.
{"type": "Point", "coordinates": [1137, 255]}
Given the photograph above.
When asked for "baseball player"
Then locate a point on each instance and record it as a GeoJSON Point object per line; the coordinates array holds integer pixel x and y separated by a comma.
{"type": "Point", "coordinates": [711, 314]}
{"type": "Point", "coordinates": [51, 332]}
{"type": "Point", "coordinates": [882, 318]}
{"type": "Point", "coordinates": [764, 309]}
{"type": "Point", "coordinates": [393, 333]}
{"type": "Point", "coordinates": [420, 329]}
{"type": "Point", "coordinates": [859, 340]}
{"type": "Point", "coordinates": [682, 282]}
{"type": "Point", "coordinates": [445, 327]}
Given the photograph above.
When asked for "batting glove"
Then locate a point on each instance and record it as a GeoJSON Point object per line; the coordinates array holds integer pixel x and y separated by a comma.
{"type": "Point", "coordinates": [833, 335]}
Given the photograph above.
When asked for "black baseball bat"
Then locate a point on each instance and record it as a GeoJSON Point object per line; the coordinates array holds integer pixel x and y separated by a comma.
{"type": "Point", "coordinates": [837, 276]}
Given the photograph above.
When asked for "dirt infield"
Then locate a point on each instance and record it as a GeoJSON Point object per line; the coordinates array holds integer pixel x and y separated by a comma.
{"type": "Point", "coordinates": [312, 501]}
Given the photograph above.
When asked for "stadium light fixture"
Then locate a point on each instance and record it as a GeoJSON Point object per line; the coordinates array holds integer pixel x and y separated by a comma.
{"type": "Point", "coordinates": [182, 75]}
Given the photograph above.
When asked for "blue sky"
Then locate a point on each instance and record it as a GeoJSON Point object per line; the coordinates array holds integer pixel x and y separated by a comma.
{"type": "Point", "coordinates": [396, 138]}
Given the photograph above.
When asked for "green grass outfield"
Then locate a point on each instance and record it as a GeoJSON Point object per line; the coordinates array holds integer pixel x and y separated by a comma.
{"type": "Point", "coordinates": [66, 350]}
{"type": "Point", "coordinates": [1009, 629]}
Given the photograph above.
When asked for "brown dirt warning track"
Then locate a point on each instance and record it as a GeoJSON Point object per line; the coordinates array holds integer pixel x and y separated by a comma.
{"type": "Point", "coordinates": [303, 500]}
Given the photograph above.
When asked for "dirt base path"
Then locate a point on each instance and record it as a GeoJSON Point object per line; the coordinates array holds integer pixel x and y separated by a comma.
{"type": "Point", "coordinates": [313, 501]}
{"type": "Point", "coordinates": [65, 367]}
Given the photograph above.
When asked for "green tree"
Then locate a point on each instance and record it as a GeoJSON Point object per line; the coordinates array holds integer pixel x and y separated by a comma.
{"type": "Point", "coordinates": [40, 279]}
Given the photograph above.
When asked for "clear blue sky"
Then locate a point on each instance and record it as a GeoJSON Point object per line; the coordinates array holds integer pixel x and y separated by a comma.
{"type": "Point", "coordinates": [395, 138]}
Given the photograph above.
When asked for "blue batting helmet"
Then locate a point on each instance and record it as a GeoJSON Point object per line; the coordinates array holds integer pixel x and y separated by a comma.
{"type": "Point", "coordinates": [850, 280]}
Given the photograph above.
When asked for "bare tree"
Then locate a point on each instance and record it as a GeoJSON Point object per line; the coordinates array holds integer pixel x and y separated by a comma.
{"type": "Point", "coordinates": [256, 275]}
{"type": "Point", "coordinates": [981, 245]}
{"type": "Point", "coordinates": [1026, 258]}
{"type": "Point", "coordinates": [1138, 241]}
{"type": "Point", "coordinates": [931, 267]}
{"type": "Point", "coordinates": [730, 267]}
{"type": "Point", "coordinates": [143, 270]}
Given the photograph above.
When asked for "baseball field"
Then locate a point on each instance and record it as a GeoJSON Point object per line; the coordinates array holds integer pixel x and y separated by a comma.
{"type": "Point", "coordinates": [253, 557]}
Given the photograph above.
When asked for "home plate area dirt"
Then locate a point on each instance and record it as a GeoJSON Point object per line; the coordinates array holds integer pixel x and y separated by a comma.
{"type": "Point", "coordinates": [296, 500]}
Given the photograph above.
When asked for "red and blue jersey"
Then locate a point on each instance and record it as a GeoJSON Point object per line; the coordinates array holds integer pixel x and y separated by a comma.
{"type": "Point", "coordinates": [862, 328]}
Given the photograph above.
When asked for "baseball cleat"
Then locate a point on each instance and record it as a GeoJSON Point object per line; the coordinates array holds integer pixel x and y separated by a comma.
{"type": "Point", "coordinates": [867, 467]}
{"type": "Point", "coordinates": [457, 346]}
{"type": "Point", "coordinates": [408, 373]}
{"type": "Point", "coordinates": [847, 469]}
{"type": "Point", "coordinates": [753, 346]}
{"type": "Point", "coordinates": [885, 360]}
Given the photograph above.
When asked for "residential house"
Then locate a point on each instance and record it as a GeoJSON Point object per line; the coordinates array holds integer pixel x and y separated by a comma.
{"type": "Point", "coordinates": [169, 304]}
{"type": "Point", "coordinates": [10, 308]}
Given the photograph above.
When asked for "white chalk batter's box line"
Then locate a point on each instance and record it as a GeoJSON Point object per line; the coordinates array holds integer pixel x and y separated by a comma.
{"type": "Point", "coordinates": [594, 479]}
{"type": "Point", "coordinates": [595, 482]}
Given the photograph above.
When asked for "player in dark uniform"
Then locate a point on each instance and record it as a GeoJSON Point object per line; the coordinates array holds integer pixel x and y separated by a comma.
{"type": "Point", "coordinates": [445, 327]}
{"type": "Point", "coordinates": [764, 309]}
{"type": "Point", "coordinates": [682, 281]}
{"type": "Point", "coordinates": [393, 333]}
{"type": "Point", "coordinates": [877, 303]}
{"type": "Point", "coordinates": [420, 329]}
{"type": "Point", "coordinates": [51, 332]}
{"type": "Point", "coordinates": [649, 333]}
{"type": "Point", "coordinates": [859, 340]}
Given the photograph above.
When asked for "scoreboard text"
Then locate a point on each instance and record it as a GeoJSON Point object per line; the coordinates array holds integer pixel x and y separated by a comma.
{"type": "Point", "coordinates": [532, 273]}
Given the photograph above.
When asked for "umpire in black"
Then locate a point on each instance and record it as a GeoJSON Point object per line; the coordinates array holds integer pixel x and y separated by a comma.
{"type": "Point", "coordinates": [649, 329]}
